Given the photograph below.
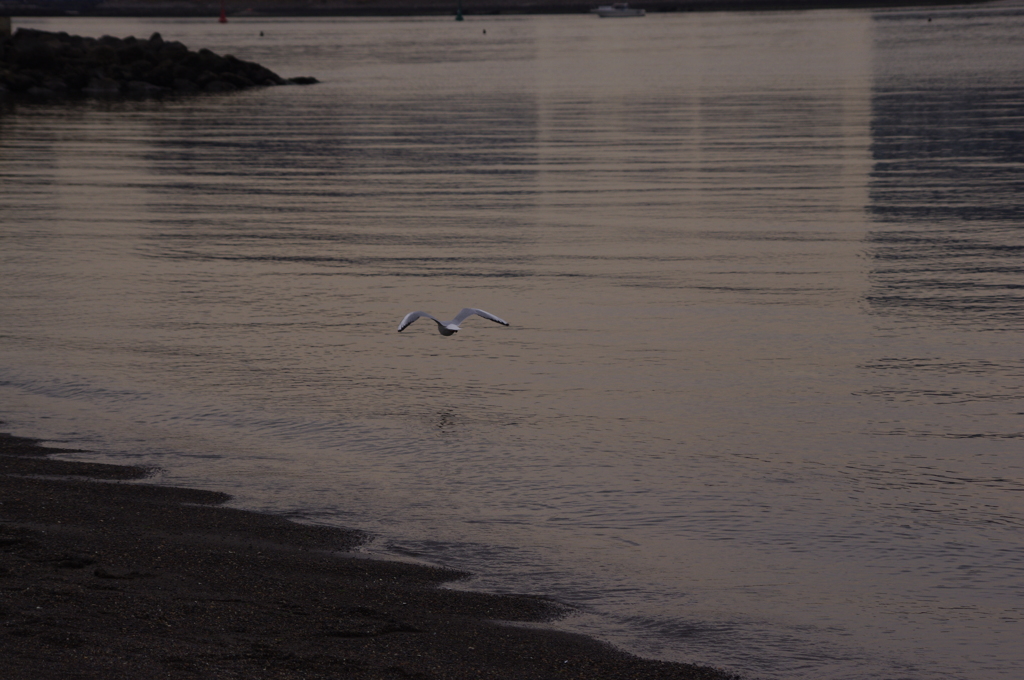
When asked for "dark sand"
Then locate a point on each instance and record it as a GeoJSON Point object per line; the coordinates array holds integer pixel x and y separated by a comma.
{"type": "Point", "coordinates": [105, 579]}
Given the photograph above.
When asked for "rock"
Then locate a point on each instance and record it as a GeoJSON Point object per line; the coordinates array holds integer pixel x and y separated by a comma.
{"type": "Point", "coordinates": [142, 87]}
{"type": "Point", "coordinates": [19, 82]}
{"type": "Point", "coordinates": [240, 82]}
{"type": "Point", "coordinates": [219, 86]}
{"type": "Point", "coordinates": [183, 85]}
{"type": "Point", "coordinates": [37, 91]}
{"type": "Point", "coordinates": [40, 63]}
{"type": "Point", "coordinates": [101, 85]}
{"type": "Point", "coordinates": [55, 84]}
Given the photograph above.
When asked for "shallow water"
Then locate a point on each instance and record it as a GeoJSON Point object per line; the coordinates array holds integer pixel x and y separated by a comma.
{"type": "Point", "coordinates": [760, 402]}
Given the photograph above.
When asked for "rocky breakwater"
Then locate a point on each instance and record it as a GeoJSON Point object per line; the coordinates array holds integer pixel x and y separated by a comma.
{"type": "Point", "coordinates": [43, 64]}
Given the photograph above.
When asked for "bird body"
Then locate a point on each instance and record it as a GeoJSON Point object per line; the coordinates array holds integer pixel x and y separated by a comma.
{"type": "Point", "coordinates": [447, 328]}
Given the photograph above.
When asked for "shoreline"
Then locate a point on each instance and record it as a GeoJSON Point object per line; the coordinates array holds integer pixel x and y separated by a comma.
{"type": "Point", "coordinates": [104, 579]}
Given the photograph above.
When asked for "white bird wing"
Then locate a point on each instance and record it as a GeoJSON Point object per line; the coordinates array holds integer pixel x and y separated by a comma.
{"type": "Point", "coordinates": [412, 316]}
{"type": "Point", "coordinates": [469, 311]}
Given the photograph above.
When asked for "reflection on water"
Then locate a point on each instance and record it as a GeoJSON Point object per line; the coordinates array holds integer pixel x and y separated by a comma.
{"type": "Point", "coordinates": [759, 402]}
{"type": "Point", "coordinates": [948, 151]}
{"type": "Point", "coordinates": [946, 184]}
{"type": "Point", "coordinates": [946, 143]}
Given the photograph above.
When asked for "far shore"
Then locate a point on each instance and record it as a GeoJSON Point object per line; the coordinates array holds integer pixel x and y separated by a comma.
{"type": "Point", "coordinates": [300, 8]}
{"type": "Point", "coordinates": [105, 577]}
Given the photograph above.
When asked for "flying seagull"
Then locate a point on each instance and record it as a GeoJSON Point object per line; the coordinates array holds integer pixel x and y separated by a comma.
{"type": "Point", "coordinates": [449, 327]}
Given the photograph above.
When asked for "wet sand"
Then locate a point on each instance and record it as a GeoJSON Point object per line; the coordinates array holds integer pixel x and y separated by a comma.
{"type": "Point", "coordinates": [100, 578]}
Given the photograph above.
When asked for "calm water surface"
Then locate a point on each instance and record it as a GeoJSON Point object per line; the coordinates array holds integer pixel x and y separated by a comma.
{"type": "Point", "coordinates": [761, 404]}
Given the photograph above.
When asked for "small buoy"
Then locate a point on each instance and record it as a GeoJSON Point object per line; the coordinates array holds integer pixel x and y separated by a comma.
{"type": "Point", "coordinates": [485, 31]}
{"type": "Point", "coordinates": [261, 34]}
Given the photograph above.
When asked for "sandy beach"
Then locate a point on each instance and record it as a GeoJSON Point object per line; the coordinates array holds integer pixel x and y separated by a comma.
{"type": "Point", "coordinates": [106, 579]}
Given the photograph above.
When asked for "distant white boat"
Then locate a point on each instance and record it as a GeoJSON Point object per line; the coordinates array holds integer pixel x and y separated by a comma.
{"type": "Point", "coordinates": [619, 9]}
